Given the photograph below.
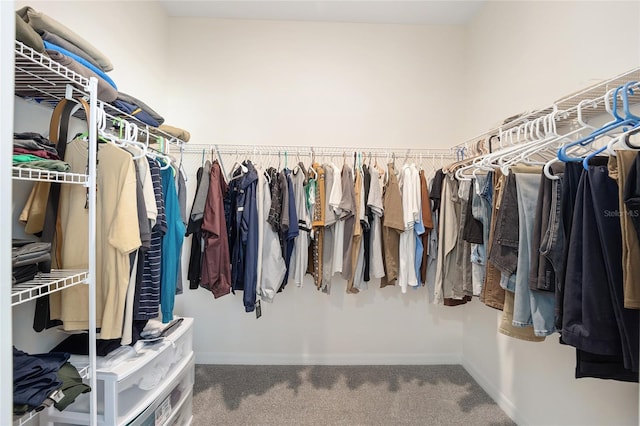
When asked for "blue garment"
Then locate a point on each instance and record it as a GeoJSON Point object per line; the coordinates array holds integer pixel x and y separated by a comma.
{"type": "Point", "coordinates": [35, 376]}
{"type": "Point", "coordinates": [171, 245]}
{"type": "Point", "coordinates": [244, 256]}
{"type": "Point", "coordinates": [249, 236]}
{"type": "Point", "coordinates": [531, 307]}
{"type": "Point", "coordinates": [81, 61]}
{"type": "Point", "coordinates": [418, 229]}
{"type": "Point", "coordinates": [292, 231]}
{"type": "Point", "coordinates": [135, 111]}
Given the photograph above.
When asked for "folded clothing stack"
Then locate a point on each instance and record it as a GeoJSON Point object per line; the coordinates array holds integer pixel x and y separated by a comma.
{"type": "Point", "coordinates": [34, 151]}
{"type": "Point", "coordinates": [135, 107]}
{"type": "Point", "coordinates": [28, 258]}
{"type": "Point", "coordinates": [42, 380]}
{"type": "Point", "coordinates": [52, 38]}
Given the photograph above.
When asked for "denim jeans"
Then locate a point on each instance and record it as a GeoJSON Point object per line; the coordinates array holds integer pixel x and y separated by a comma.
{"type": "Point", "coordinates": [595, 319]}
{"type": "Point", "coordinates": [530, 306]}
{"type": "Point", "coordinates": [547, 246]}
{"type": "Point", "coordinates": [504, 247]}
{"type": "Point", "coordinates": [481, 210]}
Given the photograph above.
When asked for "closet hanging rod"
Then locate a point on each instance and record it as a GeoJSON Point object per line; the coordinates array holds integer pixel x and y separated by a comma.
{"type": "Point", "coordinates": [566, 103]}
{"type": "Point", "coordinates": [308, 151]}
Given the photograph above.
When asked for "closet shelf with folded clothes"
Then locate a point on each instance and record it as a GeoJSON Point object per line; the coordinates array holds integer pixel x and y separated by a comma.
{"type": "Point", "coordinates": [46, 283]}
{"type": "Point", "coordinates": [43, 80]}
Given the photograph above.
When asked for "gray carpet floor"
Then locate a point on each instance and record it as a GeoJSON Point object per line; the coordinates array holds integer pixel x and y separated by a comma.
{"type": "Point", "coordinates": [341, 395]}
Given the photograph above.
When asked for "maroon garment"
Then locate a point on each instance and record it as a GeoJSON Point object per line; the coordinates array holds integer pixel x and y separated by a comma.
{"type": "Point", "coordinates": [216, 267]}
{"type": "Point", "coordinates": [40, 153]}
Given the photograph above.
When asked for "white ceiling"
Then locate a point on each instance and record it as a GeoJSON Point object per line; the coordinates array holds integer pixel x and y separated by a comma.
{"type": "Point", "coordinates": [377, 11]}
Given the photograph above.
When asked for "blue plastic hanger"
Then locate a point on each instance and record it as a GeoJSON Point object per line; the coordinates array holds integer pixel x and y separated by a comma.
{"type": "Point", "coordinates": [619, 121]}
{"type": "Point", "coordinates": [629, 119]}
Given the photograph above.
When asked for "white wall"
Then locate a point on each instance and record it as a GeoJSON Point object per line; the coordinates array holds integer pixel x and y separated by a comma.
{"type": "Point", "coordinates": [318, 84]}
{"type": "Point", "coordinates": [287, 83]}
{"type": "Point", "coordinates": [522, 56]}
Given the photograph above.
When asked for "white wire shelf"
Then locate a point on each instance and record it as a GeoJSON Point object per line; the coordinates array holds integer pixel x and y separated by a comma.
{"type": "Point", "coordinates": [44, 81]}
{"type": "Point", "coordinates": [46, 283]}
{"type": "Point", "coordinates": [41, 78]}
{"type": "Point", "coordinates": [23, 173]}
{"type": "Point", "coordinates": [569, 103]}
{"type": "Point", "coordinates": [26, 419]}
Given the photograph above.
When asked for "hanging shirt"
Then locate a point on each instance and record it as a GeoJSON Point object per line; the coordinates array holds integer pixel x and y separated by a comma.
{"type": "Point", "coordinates": [358, 282]}
{"type": "Point", "coordinates": [328, 254]}
{"type": "Point", "coordinates": [374, 203]}
{"type": "Point", "coordinates": [427, 221]}
{"type": "Point", "coordinates": [419, 231]}
{"type": "Point", "coordinates": [317, 223]}
{"type": "Point", "coordinates": [348, 216]}
{"type": "Point", "coordinates": [407, 247]}
{"type": "Point", "coordinates": [392, 226]}
{"type": "Point", "coordinates": [292, 229]}
{"type": "Point", "coordinates": [273, 268]}
{"type": "Point", "coordinates": [194, 226]}
{"type": "Point", "coordinates": [365, 222]}
{"type": "Point", "coordinates": [171, 245]}
{"type": "Point", "coordinates": [448, 275]}
{"type": "Point", "coordinates": [147, 297]}
{"type": "Point", "coordinates": [181, 188]}
{"type": "Point", "coordinates": [335, 199]}
{"type": "Point", "coordinates": [117, 235]}
{"type": "Point", "coordinates": [216, 269]}
{"type": "Point", "coordinates": [247, 217]}
{"type": "Point", "coordinates": [261, 224]}
{"type": "Point", "coordinates": [299, 256]}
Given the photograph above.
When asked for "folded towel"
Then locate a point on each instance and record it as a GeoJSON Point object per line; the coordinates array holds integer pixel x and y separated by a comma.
{"type": "Point", "coordinates": [79, 59]}
{"type": "Point", "coordinates": [39, 21]}
{"type": "Point", "coordinates": [176, 131]}
{"type": "Point", "coordinates": [28, 36]}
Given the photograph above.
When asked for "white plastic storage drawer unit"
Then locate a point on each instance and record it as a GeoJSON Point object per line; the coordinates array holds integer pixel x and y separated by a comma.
{"type": "Point", "coordinates": [127, 391]}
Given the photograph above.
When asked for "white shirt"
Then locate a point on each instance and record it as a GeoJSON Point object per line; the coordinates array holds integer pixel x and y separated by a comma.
{"type": "Point", "coordinates": [409, 185]}
{"type": "Point", "coordinates": [338, 233]}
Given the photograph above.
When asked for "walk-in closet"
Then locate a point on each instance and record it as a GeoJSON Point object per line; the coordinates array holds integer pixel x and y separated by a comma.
{"type": "Point", "coordinates": [319, 212]}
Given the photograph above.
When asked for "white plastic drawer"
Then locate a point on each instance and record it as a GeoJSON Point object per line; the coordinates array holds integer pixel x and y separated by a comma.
{"type": "Point", "coordinates": [166, 408]}
{"type": "Point", "coordinates": [127, 389]}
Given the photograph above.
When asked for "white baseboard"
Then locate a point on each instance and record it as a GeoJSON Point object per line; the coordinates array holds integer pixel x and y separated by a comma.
{"type": "Point", "coordinates": [326, 359]}
{"type": "Point", "coordinates": [503, 402]}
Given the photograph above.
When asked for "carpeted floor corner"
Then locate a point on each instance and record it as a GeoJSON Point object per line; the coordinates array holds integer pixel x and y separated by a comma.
{"type": "Point", "coordinates": [341, 395]}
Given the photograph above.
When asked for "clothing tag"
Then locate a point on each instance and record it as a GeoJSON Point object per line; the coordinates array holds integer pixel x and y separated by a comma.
{"type": "Point", "coordinates": [258, 310]}
{"type": "Point", "coordinates": [57, 395]}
